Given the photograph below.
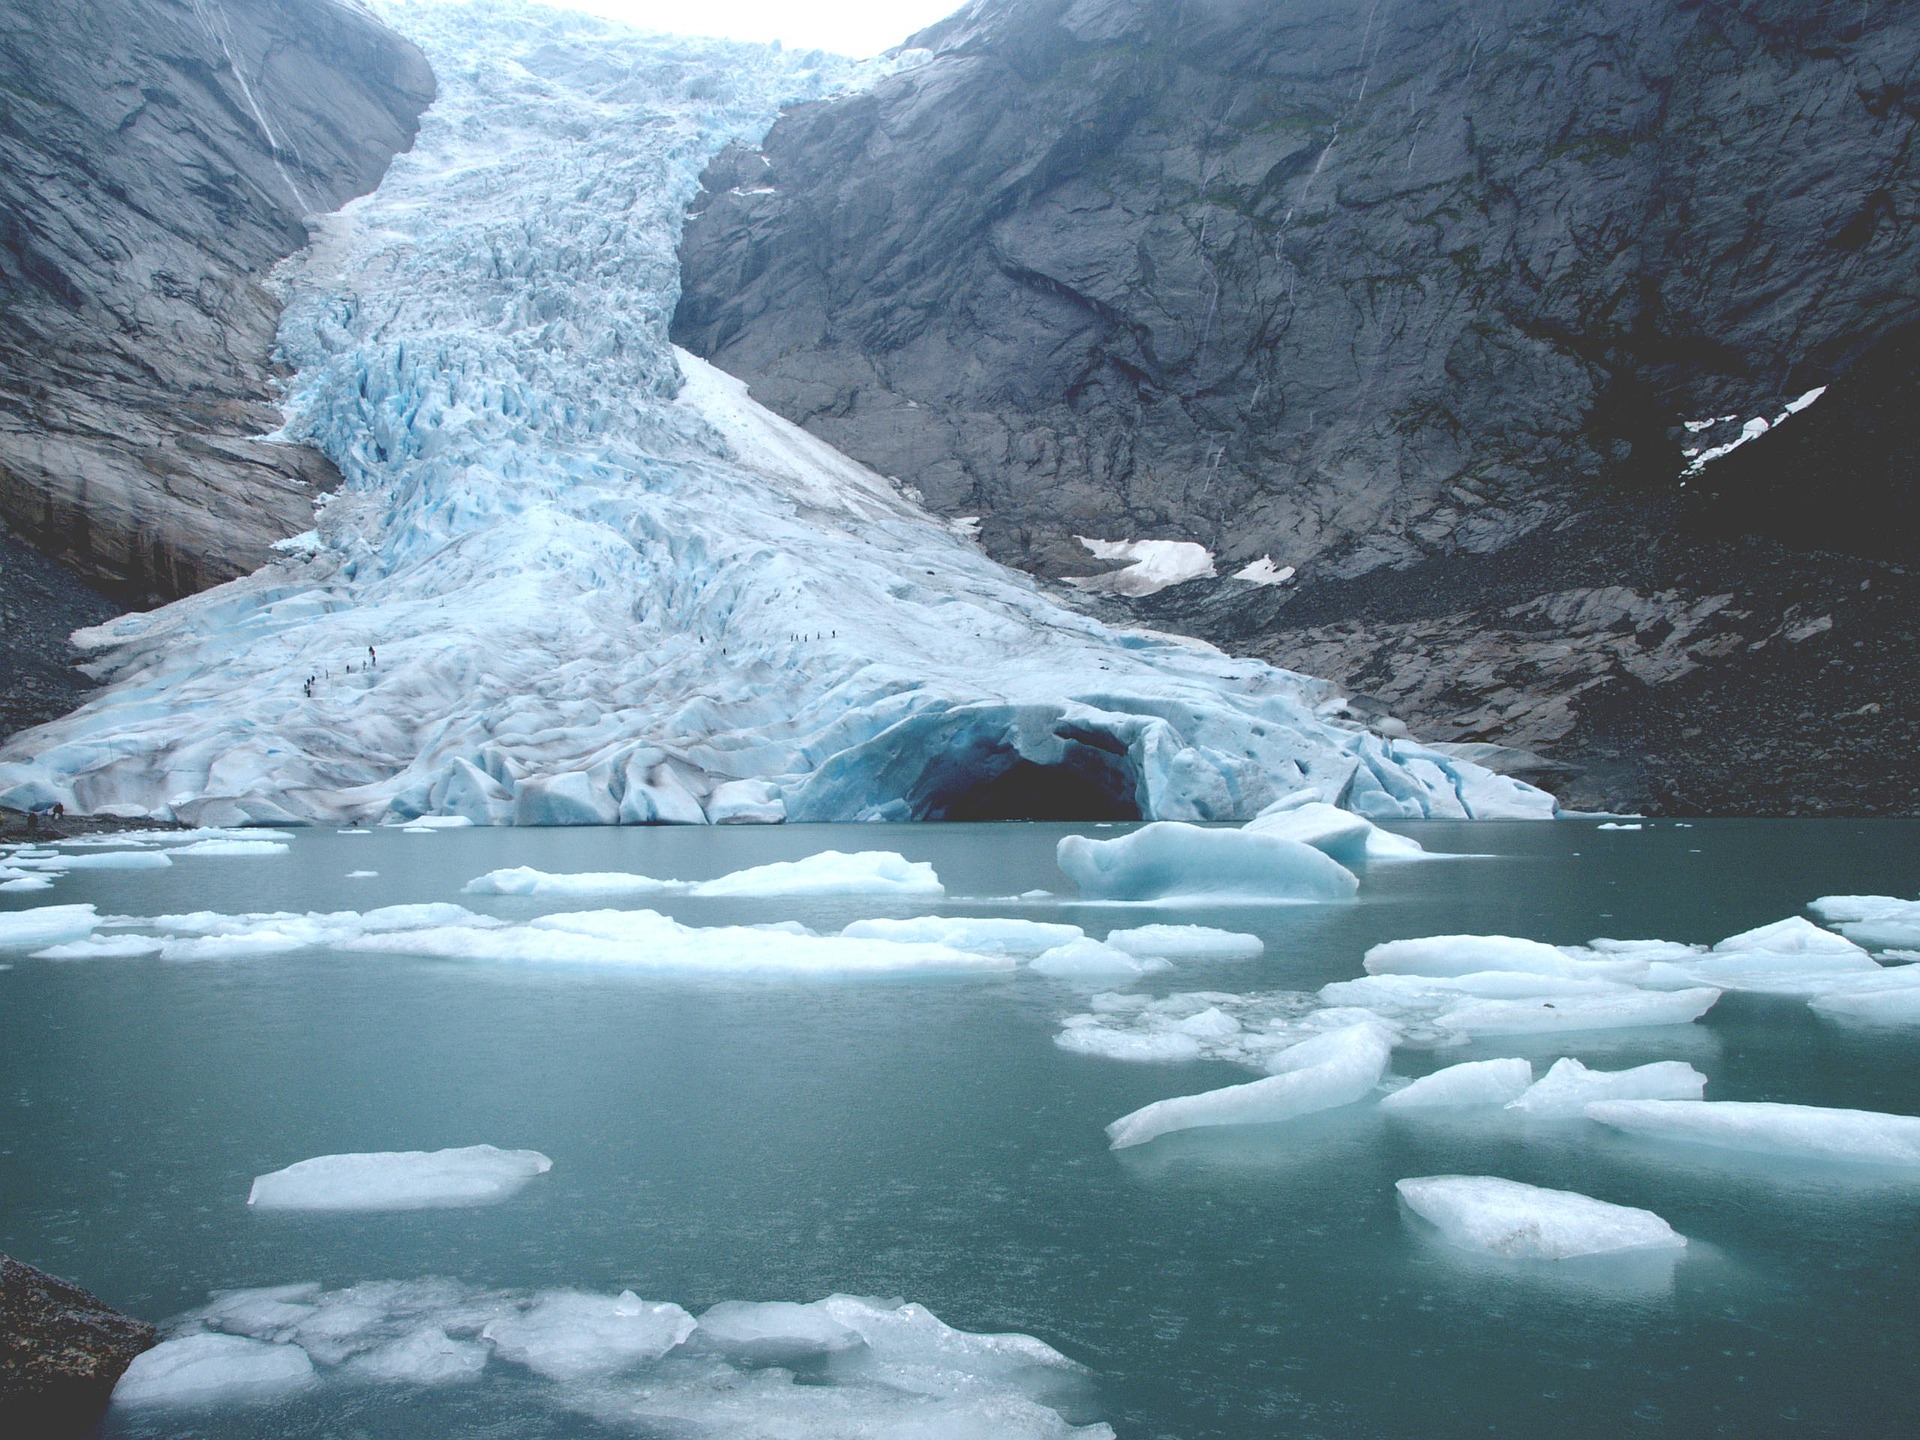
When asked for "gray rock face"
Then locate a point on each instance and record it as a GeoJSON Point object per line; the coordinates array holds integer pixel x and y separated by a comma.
{"type": "Point", "coordinates": [157, 158]}
{"type": "Point", "coordinates": [1389, 292]}
{"type": "Point", "coordinates": [61, 1350]}
{"type": "Point", "coordinates": [1347, 286]}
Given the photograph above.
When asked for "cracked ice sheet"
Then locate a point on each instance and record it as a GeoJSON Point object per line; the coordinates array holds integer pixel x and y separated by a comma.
{"type": "Point", "coordinates": [873, 1368]}
{"type": "Point", "coordinates": [603, 584]}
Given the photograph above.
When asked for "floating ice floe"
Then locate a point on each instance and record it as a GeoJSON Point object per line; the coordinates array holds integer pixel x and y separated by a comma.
{"type": "Point", "coordinates": [1810, 1131]}
{"type": "Point", "coordinates": [102, 860]}
{"type": "Point", "coordinates": [1475, 1083]}
{"type": "Point", "coordinates": [1567, 1089]}
{"type": "Point", "coordinates": [1330, 1070]}
{"type": "Point", "coordinates": [1439, 956]}
{"type": "Point", "coordinates": [1348, 838]}
{"type": "Point", "coordinates": [1202, 1024]}
{"type": "Point", "coordinates": [607, 587]}
{"type": "Point", "coordinates": [1086, 959]}
{"type": "Point", "coordinates": [399, 1180]}
{"type": "Point", "coordinates": [1186, 942]}
{"type": "Point", "coordinates": [648, 940]}
{"type": "Point", "coordinates": [872, 1367]}
{"type": "Point", "coordinates": [984, 935]}
{"type": "Point", "coordinates": [1627, 1010]}
{"type": "Point", "coordinates": [1790, 957]}
{"type": "Point", "coordinates": [831, 872]}
{"type": "Point", "coordinates": [233, 849]}
{"type": "Point", "coordinates": [1527, 1222]}
{"type": "Point", "coordinates": [1895, 1003]}
{"type": "Point", "coordinates": [1877, 922]}
{"type": "Point", "coordinates": [1170, 860]}
{"type": "Point", "coordinates": [46, 924]}
{"type": "Point", "coordinates": [208, 1369]}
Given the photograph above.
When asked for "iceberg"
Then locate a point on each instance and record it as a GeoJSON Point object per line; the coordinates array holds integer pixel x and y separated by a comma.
{"type": "Point", "coordinates": [399, 1180]}
{"type": "Point", "coordinates": [1187, 942]}
{"type": "Point", "coordinates": [1527, 1222]}
{"type": "Point", "coordinates": [1337, 1068]}
{"type": "Point", "coordinates": [1171, 860]}
{"type": "Point", "coordinates": [870, 872]}
{"type": "Point", "coordinates": [775, 1332]}
{"type": "Point", "coordinates": [1477, 1082]}
{"type": "Point", "coordinates": [1810, 1132]}
{"type": "Point", "coordinates": [1894, 1004]}
{"type": "Point", "coordinates": [1569, 1087]}
{"type": "Point", "coordinates": [1351, 839]}
{"type": "Point", "coordinates": [101, 860]}
{"type": "Point", "coordinates": [206, 1369]}
{"type": "Point", "coordinates": [575, 577]}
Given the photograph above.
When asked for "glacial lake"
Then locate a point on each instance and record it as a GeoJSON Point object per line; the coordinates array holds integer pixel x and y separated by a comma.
{"type": "Point", "coordinates": [923, 1137]}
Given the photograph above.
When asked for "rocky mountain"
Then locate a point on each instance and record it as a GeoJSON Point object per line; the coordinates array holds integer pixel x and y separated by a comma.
{"type": "Point", "coordinates": [1498, 321]}
{"type": "Point", "coordinates": [157, 159]}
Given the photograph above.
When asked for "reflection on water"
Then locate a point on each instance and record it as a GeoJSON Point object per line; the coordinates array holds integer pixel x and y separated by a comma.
{"type": "Point", "coordinates": [756, 1138]}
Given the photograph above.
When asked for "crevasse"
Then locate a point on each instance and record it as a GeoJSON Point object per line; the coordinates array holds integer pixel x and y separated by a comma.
{"type": "Point", "coordinates": [574, 577]}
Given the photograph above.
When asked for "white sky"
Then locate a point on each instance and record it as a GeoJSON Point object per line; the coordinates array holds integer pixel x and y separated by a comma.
{"type": "Point", "coordinates": [850, 27]}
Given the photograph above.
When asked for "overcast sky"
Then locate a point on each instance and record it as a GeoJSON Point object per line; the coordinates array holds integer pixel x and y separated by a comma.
{"type": "Point", "coordinates": [852, 27]}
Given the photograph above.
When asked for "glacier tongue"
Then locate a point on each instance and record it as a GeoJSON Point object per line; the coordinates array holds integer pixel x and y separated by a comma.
{"type": "Point", "coordinates": [574, 577]}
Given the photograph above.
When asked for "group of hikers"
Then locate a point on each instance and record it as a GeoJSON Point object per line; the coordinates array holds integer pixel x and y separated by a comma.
{"type": "Point", "coordinates": [373, 663]}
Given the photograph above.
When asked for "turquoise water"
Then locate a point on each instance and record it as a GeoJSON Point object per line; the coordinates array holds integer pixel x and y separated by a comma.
{"type": "Point", "coordinates": [923, 1137]}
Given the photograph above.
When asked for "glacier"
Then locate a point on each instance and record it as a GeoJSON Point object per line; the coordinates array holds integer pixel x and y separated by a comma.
{"type": "Point", "coordinates": [574, 577]}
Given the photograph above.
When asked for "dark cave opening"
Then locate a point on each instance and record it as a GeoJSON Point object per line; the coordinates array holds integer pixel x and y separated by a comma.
{"type": "Point", "coordinates": [1026, 791]}
{"type": "Point", "coordinates": [997, 784]}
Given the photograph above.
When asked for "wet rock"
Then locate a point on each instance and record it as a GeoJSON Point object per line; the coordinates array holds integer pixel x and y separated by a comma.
{"type": "Point", "coordinates": [61, 1351]}
{"type": "Point", "coordinates": [156, 161]}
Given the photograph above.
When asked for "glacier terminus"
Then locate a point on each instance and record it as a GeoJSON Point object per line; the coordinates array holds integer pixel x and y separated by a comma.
{"type": "Point", "coordinates": [576, 577]}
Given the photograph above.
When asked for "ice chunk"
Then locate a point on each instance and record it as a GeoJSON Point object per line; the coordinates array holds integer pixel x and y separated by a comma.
{"type": "Point", "coordinates": [427, 1356]}
{"type": "Point", "coordinates": [1346, 837]}
{"type": "Point", "coordinates": [525, 880]}
{"type": "Point", "coordinates": [1526, 1222]}
{"type": "Point", "coordinates": [775, 1332]}
{"type": "Point", "coordinates": [103, 947]}
{"type": "Point", "coordinates": [1173, 860]}
{"type": "Point", "coordinates": [1334, 1069]}
{"type": "Point", "coordinates": [1442, 955]}
{"type": "Point", "coordinates": [648, 940]}
{"type": "Point", "coordinates": [233, 849]}
{"type": "Point", "coordinates": [1875, 1005]}
{"type": "Point", "coordinates": [1151, 565]}
{"type": "Point", "coordinates": [870, 872]}
{"type": "Point", "coordinates": [1089, 959]}
{"type": "Point", "coordinates": [1627, 1010]}
{"type": "Point", "coordinates": [1792, 936]}
{"type": "Point", "coordinates": [568, 1334]}
{"type": "Point", "coordinates": [103, 860]}
{"type": "Point", "coordinates": [1810, 1131]}
{"type": "Point", "coordinates": [1186, 942]}
{"type": "Point", "coordinates": [982, 935]}
{"type": "Point", "coordinates": [1790, 957]}
{"type": "Point", "coordinates": [1569, 1087]}
{"type": "Point", "coordinates": [1157, 1047]}
{"type": "Point", "coordinates": [20, 929]}
{"type": "Point", "coordinates": [204, 1369]}
{"type": "Point", "coordinates": [1477, 1082]}
{"type": "Point", "coordinates": [399, 1180]}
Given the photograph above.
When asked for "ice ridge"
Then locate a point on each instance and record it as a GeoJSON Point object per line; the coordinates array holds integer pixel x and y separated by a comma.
{"type": "Point", "coordinates": [575, 577]}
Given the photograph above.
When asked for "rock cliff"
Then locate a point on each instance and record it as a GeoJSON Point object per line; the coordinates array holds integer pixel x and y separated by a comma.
{"type": "Point", "coordinates": [157, 158]}
{"type": "Point", "coordinates": [1418, 297]}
